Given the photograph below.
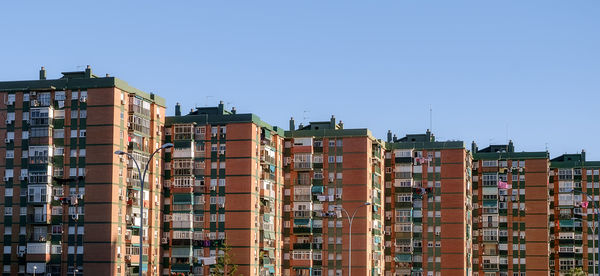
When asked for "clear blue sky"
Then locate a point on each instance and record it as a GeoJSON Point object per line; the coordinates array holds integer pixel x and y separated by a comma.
{"type": "Point", "coordinates": [526, 70]}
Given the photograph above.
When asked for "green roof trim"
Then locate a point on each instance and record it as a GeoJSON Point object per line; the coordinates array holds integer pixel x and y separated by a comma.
{"type": "Point", "coordinates": [510, 155]}
{"type": "Point", "coordinates": [426, 145]}
{"type": "Point", "coordinates": [73, 81]}
{"type": "Point", "coordinates": [216, 119]}
{"type": "Point", "coordinates": [359, 132]}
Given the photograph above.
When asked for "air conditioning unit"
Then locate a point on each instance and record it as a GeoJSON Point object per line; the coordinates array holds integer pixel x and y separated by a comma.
{"type": "Point", "coordinates": [437, 233]}
{"type": "Point", "coordinates": [118, 255]}
{"type": "Point", "coordinates": [6, 140]}
{"type": "Point", "coordinates": [83, 99]}
{"type": "Point", "coordinates": [8, 122]}
{"type": "Point", "coordinates": [22, 177]}
{"type": "Point", "coordinates": [127, 257]}
{"type": "Point", "coordinates": [120, 197]}
{"type": "Point", "coordinates": [222, 205]}
{"type": "Point", "coordinates": [213, 188]}
{"type": "Point", "coordinates": [6, 178]}
{"type": "Point", "coordinates": [222, 152]}
{"type": "Point", "coordinates": [123, 101]}
{"type": "Point", "coordinates": [35, 103]}
{"type": "Point", "coordinates": [75, 216]}
{"type": "Point", "coordinates": [164, 240]}
{"type": "Point", "coordinates": [33, 93]}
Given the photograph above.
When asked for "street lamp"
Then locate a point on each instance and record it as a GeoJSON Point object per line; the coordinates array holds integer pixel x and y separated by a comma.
{"type": "Point", "coordinates": [598, 221]}
{"type": "Point", "coordinates": [34, 269]}
{"type": "Point", "coordinates": [142, 176]}
{"type": "Point", "coordinates": [350, 220]}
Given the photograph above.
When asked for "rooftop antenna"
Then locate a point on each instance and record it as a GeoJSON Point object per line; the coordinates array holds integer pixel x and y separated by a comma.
{"type": "Point", "coordinates": [546, 147]}
{"type": "Point", "coordinates": [430, 118]}
{"type": "Point", "coordinates": [207, 97]}
{"type": "Point", "coordinates": [305, 116]}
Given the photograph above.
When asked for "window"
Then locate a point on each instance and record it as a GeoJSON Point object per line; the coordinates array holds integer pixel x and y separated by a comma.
{"type": "Point", "coordinates": [490, 163]}
{"type": "Point", "coordinates": [404, 197]}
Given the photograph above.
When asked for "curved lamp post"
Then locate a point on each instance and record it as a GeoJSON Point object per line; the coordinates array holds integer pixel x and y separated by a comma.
{"type": "Point", "coordinates": [597, 221]}
{"type": "Point", "coordinates": [350, 220]}
{"type": "Point", "coordinates": [142, 176]}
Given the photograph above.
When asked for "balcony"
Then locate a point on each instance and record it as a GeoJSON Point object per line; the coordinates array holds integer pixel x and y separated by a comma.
{"type": "Point", "coordinates": [490, 266]}
{"type": "Point", "coordinates": [38, 247]}
{"type": "Point", "coordinates": [302, 214]}
{"type": "Point", "coordinates": [39, 218]}
{"type": "Point", "coordinates": [302, 230]}
{"type": "Point", "coordinates": [492, 224]}
{"type": "Point", "coordinates": [303, 166]}
{"type": "Point", "coordinates": [302, 246]}
{"type": "Point", "coordinates": [302, 197]}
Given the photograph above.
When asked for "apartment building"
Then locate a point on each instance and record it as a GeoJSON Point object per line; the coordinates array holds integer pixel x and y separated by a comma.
{"type": "Point", "coordinates": [573, 223]}
{"type": "Point", "coordinates": [69, 205]}
{"type": "Point", "coordinates": [330, 173]}
{"type": "Point", "coordinates": [223, 186]}
{"type": "Point", "coordinates": [510, 211]}
{"type": "Point", "coordinates": [427, 206]}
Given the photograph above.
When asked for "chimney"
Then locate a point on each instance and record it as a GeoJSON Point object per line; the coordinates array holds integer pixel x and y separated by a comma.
{"type": "Point", "coordinates": [233, 111]}
{"type": "Point", "coordinates": [332, 122]}
{"type": "Point", "coordinates": [221, 107]}
{"type": "Point", "coordinates": [474, 147]}
{"type": "Point", "coordinates": [177, 109]}
{"type": "Point", "coordinates": [292, 124]}
{"type": "Point", "coordinates": [108, 75]}
{"type": "Point", "coordinates": [389, 136]}
{"type": "Point", "coordinates": [511, 147]}
{"type": "Point", "coordinates": [88, 72]}
{"type": "Point", "coordinates": [395, 138]}
{"type": "Point", "coordinates": [341, 125]}
{"type": "Point", "coordinates": [582, 155]}
{"type": "Point", "coordinates": [43, 73]}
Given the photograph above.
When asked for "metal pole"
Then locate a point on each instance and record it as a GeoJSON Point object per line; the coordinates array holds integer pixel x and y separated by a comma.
{"type": "Point", "coordinates": [350, 220]}
{"type": "Point", "coordinates": [141, 211]}
{"type": "Point", "coordinates": [142, 176]}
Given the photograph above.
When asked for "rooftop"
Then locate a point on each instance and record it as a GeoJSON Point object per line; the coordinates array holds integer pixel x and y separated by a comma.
{"type": "Point", "coordinates": [329, 128]}
{"type": "Point", "coordinates": [507, 151]}
{"type": "Point", "coordinates": [73, 81]}
{"type": "Point", "coordinates": [217, 115]}
{"type": "Point", "coordinates": [421, 141]}
{"type": "Point", "coordinates": [576, 160]}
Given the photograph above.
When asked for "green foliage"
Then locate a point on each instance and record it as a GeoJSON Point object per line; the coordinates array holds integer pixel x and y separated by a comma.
{"type": "Point", "coordinates": [224, 265]}
{"type": "Point", "coordinates": [576, 272]}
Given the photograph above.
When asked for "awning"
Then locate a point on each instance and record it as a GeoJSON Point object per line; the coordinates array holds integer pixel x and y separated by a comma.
{"type": "Point", "coordinates": [566, 223]}
{"type": "Point", "coordinates": [318, 189]}
{"type": "Point", "coordinates": [490, 203]}
{"type": "Point", "coordinates": [403, 258]}
{"type": "Point", "coordinates": [267, 134]}
{"type": "Point", "coordinates": [182, 198]}
{"type": "Point", "coordinates": [301, 221]}
{"type": "Point", "coordinates": [181, 252]}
